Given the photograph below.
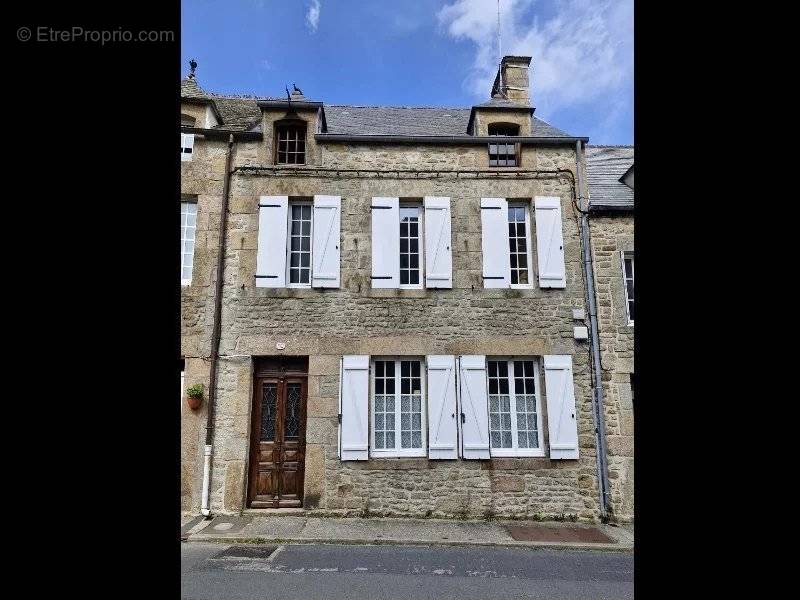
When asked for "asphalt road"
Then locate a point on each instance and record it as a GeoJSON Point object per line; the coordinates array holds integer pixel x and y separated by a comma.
{"type": "Point", "coordinates": [323, 572]}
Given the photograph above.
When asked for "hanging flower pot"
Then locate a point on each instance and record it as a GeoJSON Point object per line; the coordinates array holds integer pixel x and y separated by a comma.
{"type": "Point", "coordinates": [194, 396]}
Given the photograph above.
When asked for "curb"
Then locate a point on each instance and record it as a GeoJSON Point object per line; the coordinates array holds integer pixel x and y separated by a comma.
{"type": "Point", "coordinates": [260, 539]}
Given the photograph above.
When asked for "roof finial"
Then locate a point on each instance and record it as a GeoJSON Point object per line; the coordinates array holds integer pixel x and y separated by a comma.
{"type": "Point", "coordinates": [192, 66]}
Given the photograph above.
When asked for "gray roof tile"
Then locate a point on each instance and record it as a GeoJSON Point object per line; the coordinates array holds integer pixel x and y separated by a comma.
{"type": "Point", "coordinates": [605, 165]}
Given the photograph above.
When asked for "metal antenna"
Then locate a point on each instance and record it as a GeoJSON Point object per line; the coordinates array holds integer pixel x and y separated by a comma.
{"type": "Point", "coordinates": [500, 53]}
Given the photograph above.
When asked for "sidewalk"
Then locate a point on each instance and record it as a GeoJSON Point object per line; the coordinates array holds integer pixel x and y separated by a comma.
{"type": "Point", "coordinates": [330, 530]}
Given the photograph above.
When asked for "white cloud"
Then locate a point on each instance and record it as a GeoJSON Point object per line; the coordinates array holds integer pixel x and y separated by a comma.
{"type": "Point", "coordinates": [581, 54]}
{"type": "Point", "coordinates": [312, 16]}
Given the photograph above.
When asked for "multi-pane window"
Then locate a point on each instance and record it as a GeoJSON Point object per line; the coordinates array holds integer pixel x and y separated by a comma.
{"type": "Point", "coordinates": [299, 263]}
{"type": "Point", "coordinates": [291, 148]}
{"type": "Point", "coordinates": [514, 409]}
{"type": "Point", "coordinates": [188, 227]}
{"type": "Point", "coordinates": [409, 246]}
{"type": "Point", "coordinates": [505, 154]}
{"type": "Point", "coordinates": [187, 146]}
{"type": "Point", "coordinates": [519, 244]}
{"type": "Point", "coordinates": [627, 275]}
{"type": "Point", "coordinates": [397, 410]}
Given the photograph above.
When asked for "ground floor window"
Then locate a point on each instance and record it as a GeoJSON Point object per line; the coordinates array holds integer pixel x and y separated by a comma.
{"type": "Point", "coordinates": [398, 403]}
{"type": "Point", "coordinates": [515, 427]}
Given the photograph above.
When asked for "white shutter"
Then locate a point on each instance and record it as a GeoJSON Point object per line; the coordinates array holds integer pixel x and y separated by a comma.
{"type": "Point", "coordinates": [442, 423]}
{"type": "Point", "coordinates": [385, 242]}
{"type": "Point", "coordinates": [561, 421]}
{"type": "Point", "coordinates": [325, 246]}
{"type": "Point", "coordinates": [494, 243]}
{"type": "Point", "coordinates": [438, 256]}
{"type": "Point", "coordinates": [473, 401]}
{"type": "Point", "coordinates": [187, 142]}
{"type": "Point", "coordinates": [550, 242]}
{"type": "Point", "coordinates": [354, 408]}
{"type": "Point", "coordinates": [273, 215]}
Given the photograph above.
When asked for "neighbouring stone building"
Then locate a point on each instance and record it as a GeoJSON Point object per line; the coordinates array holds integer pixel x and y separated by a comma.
{"type": "Point", "coordinates": [610, 179]}
{"type": "Point", "coordinates": [400, 309]}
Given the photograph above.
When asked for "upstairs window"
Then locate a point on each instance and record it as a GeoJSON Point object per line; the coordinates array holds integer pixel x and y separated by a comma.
{"type": "Point", "coordinates": [291, 146]}
{"type": "Point", "coordinates": [503, 155]}
{"type": "Point", "coordinates": [627, 276]}
{"type": "Point", "coordinates": [187, 146]}
{"type": "Point", "coordinates": [410, 235]}
{"type": "Point", "coordinates": [188, 228]}
{"type": "Point", "coordinates": [299, 244]}
{"type": "Point", "coordinates": [519, 243]}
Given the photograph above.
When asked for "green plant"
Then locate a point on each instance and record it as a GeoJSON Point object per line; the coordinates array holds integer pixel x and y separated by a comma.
{"type": "Point", "coordinates": [195, 391]}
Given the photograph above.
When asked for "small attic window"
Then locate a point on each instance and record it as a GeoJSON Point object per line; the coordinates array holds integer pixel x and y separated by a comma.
{"type": "Point", "coordinates": [291, 146]}
{"type": "Point", "coordinates": [503, 155]}
{"type": "Point", "coordinates": [187, 120]}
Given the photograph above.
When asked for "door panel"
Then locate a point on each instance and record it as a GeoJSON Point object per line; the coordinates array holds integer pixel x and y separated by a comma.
{"type": "Point", "coordinates": [278, 444]}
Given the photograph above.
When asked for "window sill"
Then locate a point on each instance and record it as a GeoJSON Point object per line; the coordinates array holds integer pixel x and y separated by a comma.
{"type": "Point", "coordinates": [377, 454]}
{"type": "Point", "coordinates": [538, 453]}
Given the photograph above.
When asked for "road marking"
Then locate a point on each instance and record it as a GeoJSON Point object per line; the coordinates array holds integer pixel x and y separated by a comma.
{"type": "Point", "coordinates": [277, 551]}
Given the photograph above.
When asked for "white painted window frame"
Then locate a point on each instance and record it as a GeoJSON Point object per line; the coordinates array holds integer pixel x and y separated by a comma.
{"type": "Point", "coordinates": [397, 451]}
{"type": "Point", "coordinates": [515, 450]}
{"type": "Point", "coordinates": [310, 204]}
{"type": "Point", "coordinates": [625, 254]}
{"type": "Point", "coordinates": [187, 282]}
{"type": "Point", "coordinates": [187, 156]}
{"type": "Point", "coordinates": [419, 206]}
{"type": "Point", "coordinates": [527, 207]}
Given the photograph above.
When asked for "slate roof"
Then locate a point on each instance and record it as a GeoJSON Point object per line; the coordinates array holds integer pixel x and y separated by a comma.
{"type": "Point", "coordinates": [241, 113]}
{"type": "Point", "coordinates": [605, 165]}
{"type": "Point", "coordinates": [395, 120]}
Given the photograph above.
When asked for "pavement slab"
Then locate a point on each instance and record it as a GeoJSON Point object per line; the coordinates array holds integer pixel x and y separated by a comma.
{"type": "Point", "coordinates": [330, 530]}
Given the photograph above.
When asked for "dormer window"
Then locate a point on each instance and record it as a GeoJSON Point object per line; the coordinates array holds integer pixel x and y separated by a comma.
{"type": "Point", "coordinates": [187, 120]}
{"type": "Point", "coordinates": [291, 146]}
{"type": "Point", "coordinates": [503, 155]}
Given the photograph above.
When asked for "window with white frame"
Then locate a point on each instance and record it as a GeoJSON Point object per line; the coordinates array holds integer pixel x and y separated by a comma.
{"type": "Point", "coordinates": [627, 279]}
{"type": "Point", "coordinates": [188, 228]}
{"type": "Point", "coordinates": [299, 248]}
{"type": "Point", "coordinates": [187, 146]}
{"type": "Point", "coordinates": [410, 255]}
{"type": "Point", "coordinates": [398, 400]}
{"type": "Point", "coordinates": [519, 243]}
{"type": "Point", "coordinates": [514, 408]}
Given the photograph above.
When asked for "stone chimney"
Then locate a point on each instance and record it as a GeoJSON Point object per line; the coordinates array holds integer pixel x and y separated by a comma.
{"type": "Point", "coordinates": [511, 81]}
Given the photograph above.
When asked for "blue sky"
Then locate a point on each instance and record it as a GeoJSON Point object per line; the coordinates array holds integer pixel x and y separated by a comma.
{"type": "Point", "coordinates": [421, 53]}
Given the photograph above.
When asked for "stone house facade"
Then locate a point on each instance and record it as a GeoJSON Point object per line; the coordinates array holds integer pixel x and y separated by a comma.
{"type": "Point", "coordinates": [399, 307]}
{"type": "Point", "coordinates": [611, 198]}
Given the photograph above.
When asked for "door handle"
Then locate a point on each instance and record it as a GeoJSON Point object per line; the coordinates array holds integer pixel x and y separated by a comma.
{"type": "Point", "coordinates": [463, 418]}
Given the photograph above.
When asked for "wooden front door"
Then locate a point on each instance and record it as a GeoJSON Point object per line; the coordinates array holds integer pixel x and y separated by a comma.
{"type": "Point", "coordinates": [277, 454]}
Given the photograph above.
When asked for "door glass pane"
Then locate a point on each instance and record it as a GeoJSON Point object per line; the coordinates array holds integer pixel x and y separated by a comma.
{"type": "Point", "coordinates": [291, 427]}
{"type": "Point", "coordinates": [269, 396]}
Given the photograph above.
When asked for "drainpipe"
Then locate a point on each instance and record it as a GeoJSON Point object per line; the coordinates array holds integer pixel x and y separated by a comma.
{"type": "Point", "coordinates": [594, 349]}
{"type": "Point", "coordinates": [216, 333]}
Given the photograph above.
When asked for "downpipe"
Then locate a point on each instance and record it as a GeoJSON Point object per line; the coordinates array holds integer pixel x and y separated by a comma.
{"type": "Point", "coordinates": [598, 414]}
{"type": "Point", "coordinates": [204, 510]}
{"type": "Point", "coordinates": [208, 452]}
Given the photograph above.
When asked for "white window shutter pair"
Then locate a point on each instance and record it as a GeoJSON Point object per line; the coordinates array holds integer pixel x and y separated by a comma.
{"type": "Point", "coordinates": [273, 215]}
{"type": "Point", "coordinates": [354, 408]}
{"type": "Point", "coordinates": [549, 242]}
{"type": "Point", "coordinates": [386, 242]}
{"type": "Point", "coordinates": [473, 401]}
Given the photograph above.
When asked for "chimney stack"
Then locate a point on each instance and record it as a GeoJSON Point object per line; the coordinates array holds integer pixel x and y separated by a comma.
{"type": "Point", "coordinates": [511, 81]}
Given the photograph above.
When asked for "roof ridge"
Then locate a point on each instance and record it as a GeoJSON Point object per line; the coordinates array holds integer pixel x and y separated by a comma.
{"type": "Point", "coordinates": [609, 145]}
{"type": "Point", "coordinates": [406, 107]}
